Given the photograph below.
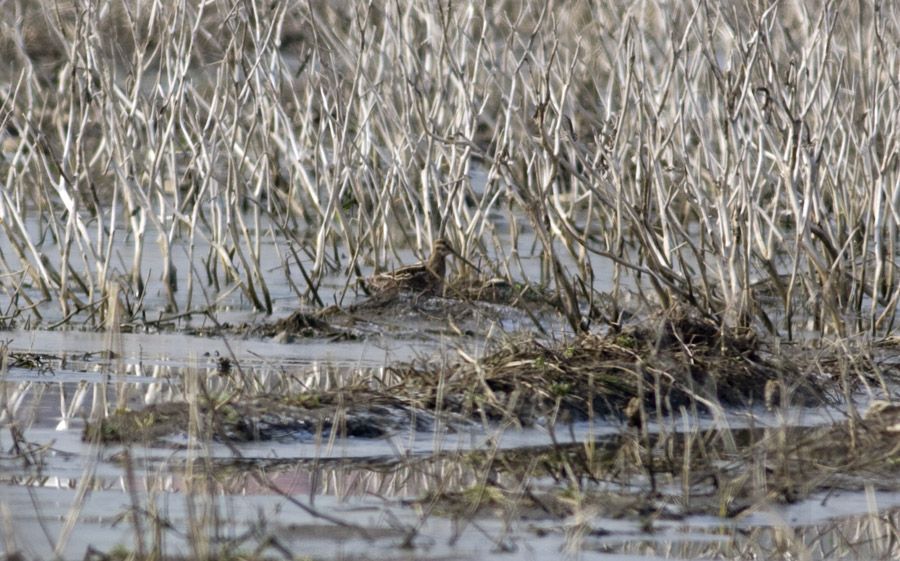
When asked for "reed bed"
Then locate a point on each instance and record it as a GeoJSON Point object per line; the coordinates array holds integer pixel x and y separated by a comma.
{"type": "Point", "coordinates": [735, 162]}
{"type": "Point", "coordinates": [739, 157]}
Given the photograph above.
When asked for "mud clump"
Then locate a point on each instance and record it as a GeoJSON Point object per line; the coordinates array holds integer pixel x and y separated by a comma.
{"type": "Point", "coordinates": [303, 325]}
{"type": "Point", "coordinates": [667, 363]}
{"type": "Point", "coordinates": [298, 325]}
{"type": "Point", "coordinates": [263, 418]}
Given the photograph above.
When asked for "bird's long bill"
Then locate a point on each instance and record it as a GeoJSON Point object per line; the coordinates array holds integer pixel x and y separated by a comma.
{"type": "Point", "coordinates": [464, 260]}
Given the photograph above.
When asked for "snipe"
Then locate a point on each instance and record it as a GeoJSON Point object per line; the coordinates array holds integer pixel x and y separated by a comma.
{"type": "Point", "coordinates": [427, 276]}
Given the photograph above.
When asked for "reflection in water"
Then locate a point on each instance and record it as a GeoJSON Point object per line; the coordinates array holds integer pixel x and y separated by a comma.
{"type": "Point", "coordinates": [868, 536]}
{"type": "Point", "coordinates": [88, 391]}
{"type": "Point", "coordinates": [385, 491]}
{"type": "Point", "coordinates": [369, 496]}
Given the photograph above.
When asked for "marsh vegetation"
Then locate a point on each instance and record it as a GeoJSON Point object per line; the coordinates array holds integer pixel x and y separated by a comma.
{"type": "Point", "coordinates": [670, 306]}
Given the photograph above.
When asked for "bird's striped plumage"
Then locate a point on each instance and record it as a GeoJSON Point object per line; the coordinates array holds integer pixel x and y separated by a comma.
{"type": "Point", "coordinates": [424, 276]}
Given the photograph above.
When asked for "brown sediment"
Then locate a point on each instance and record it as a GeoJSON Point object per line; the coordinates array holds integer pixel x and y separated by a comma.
{"type": "Point", "coordinates": [671, 363]}
{"type": "Point", "coordinates": [352, 413]}
{"type": "Point", "coordinates": [667, 364]}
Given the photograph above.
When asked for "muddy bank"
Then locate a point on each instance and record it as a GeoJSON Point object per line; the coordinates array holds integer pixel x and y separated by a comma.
{"type": "Point", "coordinates": [634, 374]}
{"type": "Point", "coordinates": [466, 306]}
{"type": "Point", "coordinates": [662, 365]}
{"type": "Point", "coordinates": [263, 418]}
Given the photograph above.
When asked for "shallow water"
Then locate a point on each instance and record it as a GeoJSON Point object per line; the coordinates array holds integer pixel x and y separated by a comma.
{"type": "Point", "coordinates": [75, 495]}
{"type": "Point", "coordinates": [284, 283]}
{"type": "Point", "coordinates": [78, 495]}
{"type": "Point", "coordinates": [368, 517]}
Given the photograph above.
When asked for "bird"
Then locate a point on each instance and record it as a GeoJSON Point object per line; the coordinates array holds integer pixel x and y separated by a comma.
{"type": "Point", "coordinates": [884, 414]}
{"type": "Point", "coordinates": [425, 276]}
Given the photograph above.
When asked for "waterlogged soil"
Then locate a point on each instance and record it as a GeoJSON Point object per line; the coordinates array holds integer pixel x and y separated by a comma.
{"type": "Point", "coordinates": [666, 364]}
{"type": "Point", "coordinates": [447, 426]}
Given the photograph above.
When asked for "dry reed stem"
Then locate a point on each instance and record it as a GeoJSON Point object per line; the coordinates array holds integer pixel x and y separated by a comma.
{"type": "Point", "coordinates": [737, 158]}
